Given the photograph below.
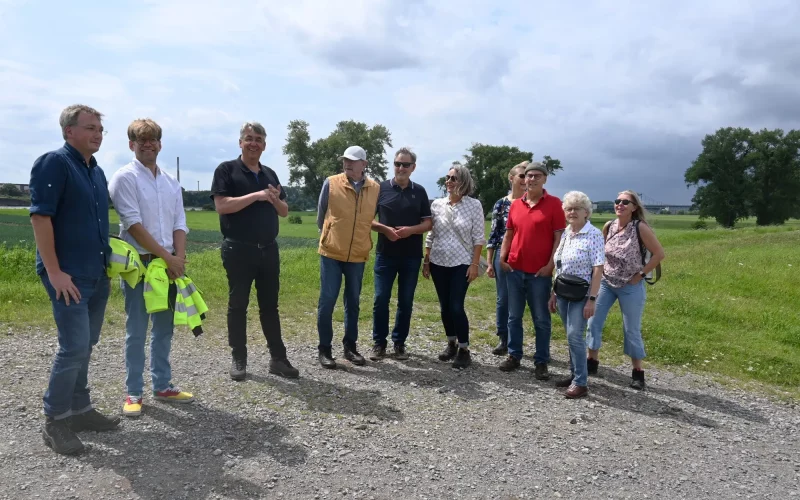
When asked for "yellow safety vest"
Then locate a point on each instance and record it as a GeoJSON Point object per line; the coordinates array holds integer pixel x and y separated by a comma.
{"type": "Point", "coordinates": [125, 262]}
{"type": "Point", "coordinates": [189, 306]}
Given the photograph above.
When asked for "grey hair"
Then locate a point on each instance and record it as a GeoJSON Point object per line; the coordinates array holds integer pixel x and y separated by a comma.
{"type": "Point", "coordinates": [254, 126]}
{"type": "Point", "coordinates": [69, 117]}
{"type": "Point", "coordinates": [579, 200]}
{"type": "Point", "coordinates": [406, 151]}
{"type": "Point", "coordinates": [466, 186]}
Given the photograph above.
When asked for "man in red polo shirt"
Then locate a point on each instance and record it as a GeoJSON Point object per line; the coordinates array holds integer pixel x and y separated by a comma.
{"type": "Point", "coordinates": [533, 230]}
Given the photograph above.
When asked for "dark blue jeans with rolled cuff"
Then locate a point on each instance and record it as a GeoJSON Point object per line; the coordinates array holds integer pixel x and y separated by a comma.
{"type": "Point", "coordinates": [387, 268]}
{"type": "Point", "coordinates": [451, 287]}
{"type": "Point", "coordinates": [78, 327]}
{"type": "Point", "coordinates": [526, 288]}
{"type": "Point", "coordinates": [330, 274]}
{"type": "Point", "coordinates": [501, 306]}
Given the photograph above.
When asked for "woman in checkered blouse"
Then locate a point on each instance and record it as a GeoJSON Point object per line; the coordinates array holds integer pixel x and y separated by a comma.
{"type": "Point", "coordinates": [452, 253]}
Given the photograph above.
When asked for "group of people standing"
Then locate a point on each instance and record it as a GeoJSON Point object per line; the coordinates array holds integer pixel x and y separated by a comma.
{"type": "Point", "coordinates": [533, 235]}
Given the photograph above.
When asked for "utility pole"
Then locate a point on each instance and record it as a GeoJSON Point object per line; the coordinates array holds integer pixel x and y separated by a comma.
{"type": "Point", "coordinates": [198, 186]}
{"type": "Point", "coordinates": [179, 169]}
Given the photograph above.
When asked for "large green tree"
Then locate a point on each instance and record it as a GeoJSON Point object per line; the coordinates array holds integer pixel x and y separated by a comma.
{"type": "Point", "coordinates": [720, 173]}
{"type": "Point", "coordinates": [774, 160]}
{"type": "Point", "coordinates": [311, 162]}
{"type": "Point", "coordinates": [489, 167]}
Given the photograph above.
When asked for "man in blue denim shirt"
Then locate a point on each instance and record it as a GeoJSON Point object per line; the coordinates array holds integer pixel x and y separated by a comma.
{"type": "Point", "coordinates": [69, 214]}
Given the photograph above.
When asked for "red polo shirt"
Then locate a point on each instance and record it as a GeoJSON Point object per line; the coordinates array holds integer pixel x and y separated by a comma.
{"type": "Point", "coordinates": [533, 228]}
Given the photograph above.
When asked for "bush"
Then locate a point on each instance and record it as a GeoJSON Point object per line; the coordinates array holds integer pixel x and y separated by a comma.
{"type": "Point", "coordinates": [209, 207]}
{"type": "Point", "coordinates": [295, 219]}
{"type": "Point", "coordinates": [681, 212]}
{"type": "Point", "coordinates": [699, 224]}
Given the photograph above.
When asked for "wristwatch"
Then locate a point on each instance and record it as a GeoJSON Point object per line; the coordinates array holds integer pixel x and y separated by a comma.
{"type": "Point", "coordinates": [592, 297]}
{"type": "Point", "coordinates": [642, 274]}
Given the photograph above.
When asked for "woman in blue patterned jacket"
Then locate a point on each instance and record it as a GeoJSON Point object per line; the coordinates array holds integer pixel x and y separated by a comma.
{"type": "Point", "coordinates": [516, 178]}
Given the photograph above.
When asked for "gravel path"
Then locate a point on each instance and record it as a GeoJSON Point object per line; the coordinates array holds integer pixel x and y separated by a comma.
{"type": "Point", "coordinates": [411, 429]}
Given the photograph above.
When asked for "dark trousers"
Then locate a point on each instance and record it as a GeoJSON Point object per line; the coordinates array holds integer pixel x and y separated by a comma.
{"type": "Point", "coordinates": [244, 264]}
{"type": "Point", "coordinates": [451, 286]}
{"type": "Point", "coordinates": [406, 270]}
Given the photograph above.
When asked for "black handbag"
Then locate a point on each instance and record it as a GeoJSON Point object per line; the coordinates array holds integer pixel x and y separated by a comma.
{"type": "Point", "coordinates": [568, 286]}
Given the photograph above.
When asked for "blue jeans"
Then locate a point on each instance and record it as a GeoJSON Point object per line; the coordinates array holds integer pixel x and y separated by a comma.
{"type": "Point", "coordinates": [135, 335]}
{"type": "Point", "coordinates": [535, 291]}
{"type": "Point", "coordinates": [501, 309]}
{"type": "Point", "coordinates": [572, 316]}
{"type": "Point", "coordinates": [330, 276]}
{"type": "Point", "coordinates": [406, 270]}
{"type": "Point", "coordinates": [451, 287]}
{"type": "Point", "coordinates": [78, 331]}
{"type": "Point", "coordinates": [631, 303]}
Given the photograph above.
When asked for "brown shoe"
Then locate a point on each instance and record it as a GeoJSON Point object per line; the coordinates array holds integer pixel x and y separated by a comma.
{"type": "Point", "coordinates": [509, 365]}
{"type": "Point", "coordinates": [576, 391]}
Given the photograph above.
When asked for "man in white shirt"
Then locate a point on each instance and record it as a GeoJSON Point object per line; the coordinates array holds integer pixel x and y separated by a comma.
{"type": "Point", "coordinates": [149, 202]}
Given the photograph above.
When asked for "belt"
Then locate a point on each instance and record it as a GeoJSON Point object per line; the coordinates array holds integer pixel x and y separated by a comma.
{"type": "Point", "coordinates": [250, 243]}
{"type": "Point", "coordinates": [147, 257]}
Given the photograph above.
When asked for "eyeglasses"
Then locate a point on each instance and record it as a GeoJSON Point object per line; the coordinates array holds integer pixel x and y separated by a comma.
{"type": "Point", "coordinates": [93, 129]}
{"type": "Point", "coordinates": [573, 209]}
{"type": "Point", "coordinates": [403, 164]}
{"type": "Point", "coordinates": [619, 201]}
{"type": "Point", "coordinates": [521, 176]}
{"type": "Point", "coordinates": [536, 177]}
{"type": "Point", "coordinates": [448, 178]}
{"type": "Point", "coordinates": [142, 142]}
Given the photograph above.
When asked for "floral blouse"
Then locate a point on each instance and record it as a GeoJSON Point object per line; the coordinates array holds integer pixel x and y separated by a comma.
{"type": "Point", "coordinates": [499, 219]}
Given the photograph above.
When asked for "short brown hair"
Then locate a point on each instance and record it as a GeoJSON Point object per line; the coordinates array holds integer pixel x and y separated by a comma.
{"type": "Point", "coordinates": [144, 128]}
{"type": "Point", "coordinates": [69, 116]}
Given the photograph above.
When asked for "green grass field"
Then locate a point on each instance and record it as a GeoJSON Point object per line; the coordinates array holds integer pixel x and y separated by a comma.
{"type": "Point", "coordinates": [726, 303]}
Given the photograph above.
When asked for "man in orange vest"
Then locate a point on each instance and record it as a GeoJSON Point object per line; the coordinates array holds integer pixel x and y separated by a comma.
{"type": "Point", "coordinates": [347, 204]}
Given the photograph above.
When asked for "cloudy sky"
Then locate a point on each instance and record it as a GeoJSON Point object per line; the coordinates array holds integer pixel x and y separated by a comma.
{"type": "Point", "coordinates": [621, 91]}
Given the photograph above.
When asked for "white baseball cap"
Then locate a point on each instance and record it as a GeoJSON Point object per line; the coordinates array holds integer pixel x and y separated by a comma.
{"type": "Point", "coordinates": [354, 153]}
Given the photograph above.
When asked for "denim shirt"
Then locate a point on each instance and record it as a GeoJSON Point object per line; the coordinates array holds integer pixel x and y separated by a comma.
{"type": "Point", "coordinates": [75, 196]}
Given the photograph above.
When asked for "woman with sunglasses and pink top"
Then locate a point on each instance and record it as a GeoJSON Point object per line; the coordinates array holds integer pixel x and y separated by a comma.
{"type": "Point", "coordinates": [623, 279]}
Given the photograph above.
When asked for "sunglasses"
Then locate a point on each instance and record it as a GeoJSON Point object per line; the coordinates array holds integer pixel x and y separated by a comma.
{"type": "Point", "coordinates": [521, 176]}
{"type": "Point", "coordinates": [404, 164]}
{"type": "Point", "coordinates": [449, 178]}
{"type": "Point", "coordinates": [622, 202]}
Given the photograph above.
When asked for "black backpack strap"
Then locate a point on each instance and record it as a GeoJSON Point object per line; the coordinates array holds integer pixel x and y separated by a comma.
{"type": "Point", "coordinates": [642, 247]}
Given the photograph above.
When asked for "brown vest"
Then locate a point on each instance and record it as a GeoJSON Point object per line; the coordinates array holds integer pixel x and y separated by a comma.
{"type": "Point", "coordinates": [347, 229]}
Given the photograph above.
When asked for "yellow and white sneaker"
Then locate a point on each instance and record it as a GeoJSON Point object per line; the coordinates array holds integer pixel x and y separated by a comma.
{"type": "Point", "coordinates": [132, 406]}
{"type": "Point", "coordinates": [174, 395]}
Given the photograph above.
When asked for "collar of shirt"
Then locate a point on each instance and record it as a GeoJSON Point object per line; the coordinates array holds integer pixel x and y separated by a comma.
{"type": "Point", "coordinates": [585, 228]}
{"type": "Point", "coordinates": [394, 184]}
{"type": "Point", "coordinates": [246, 169]}
{"type": "Point", "coordinates": [356, 183]}
{"type": "Point", "coordinates": [142, 165]}
{"type": "Point", "coordinates": [78, 156]}
{"type": "Point", "coordinates": [544, 195]}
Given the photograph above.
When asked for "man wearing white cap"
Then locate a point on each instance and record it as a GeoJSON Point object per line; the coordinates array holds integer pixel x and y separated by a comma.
{"type": "Point", "coordinates": [347, 205]}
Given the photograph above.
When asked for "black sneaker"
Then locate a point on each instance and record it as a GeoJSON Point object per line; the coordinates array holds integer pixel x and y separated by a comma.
{"type": "Point", "coordinates": [564, 382]}
{"type": "Point", "coordinates": [377, 353]}
{"type": "Point", "coordinates": [509, 365]}
{"type": "Point", "coordinates": [400, 352]}
{"type": "Point", "coordinates": [326, 358]}
{"type": "Point", "coordinates": [351, 354]}
{"type": "Point", "coordinates": [58, 436]}
{"type": "Point", "coordinates": [238, 368]}
{"type": "Point", "coordinates": [502, 347]}
{"type": "Point", "coordinates": [592, 365]}
{"type": "Point", "coordinates": [283, 368]}
{"type": "Point", "coordinates": [463, 358]}
{"type": "Point", "coordinates": [449, 352]}
{"type": "Point", "coordinates": [540, 372]}
{"type": "Point", "coordinates": [637, 379]}
{"type": "Point", "coordinates": [92, 420]}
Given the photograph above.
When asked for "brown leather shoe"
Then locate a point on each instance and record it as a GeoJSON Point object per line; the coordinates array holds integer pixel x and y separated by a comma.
{"type": "Point", "coordinates": [576, 391]}
{"type": "Point", "coordinates": [564, 382]}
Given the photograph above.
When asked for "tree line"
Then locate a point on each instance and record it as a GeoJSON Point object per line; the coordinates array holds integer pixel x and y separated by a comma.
{"type": "Point", "coordinates": [741, 173]}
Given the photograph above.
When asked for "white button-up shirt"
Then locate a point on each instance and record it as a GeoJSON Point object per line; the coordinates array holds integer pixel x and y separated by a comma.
{"type": "Point", "coordinates": [580, 252]}
{"type": "Point", "coordinates": [155, 202]}
{"type": "Point", "coordinates": [457, 229]}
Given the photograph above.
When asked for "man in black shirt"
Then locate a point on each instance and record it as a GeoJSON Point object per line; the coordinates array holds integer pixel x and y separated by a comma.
{"type": "Point", "coordinates": [249, 198]}
{"type": "Point", "coordinates": [404, 214]}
